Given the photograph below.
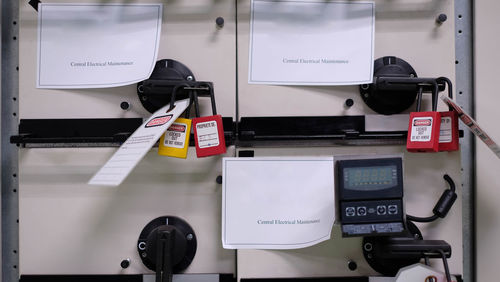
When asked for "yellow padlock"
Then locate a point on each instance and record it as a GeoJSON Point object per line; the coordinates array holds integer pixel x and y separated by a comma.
{"type": "Point", "coordinates": [175, 141]}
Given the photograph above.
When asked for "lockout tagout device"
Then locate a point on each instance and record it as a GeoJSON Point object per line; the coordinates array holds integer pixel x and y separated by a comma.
{"type": "Point", "coordinates": [371, 196]}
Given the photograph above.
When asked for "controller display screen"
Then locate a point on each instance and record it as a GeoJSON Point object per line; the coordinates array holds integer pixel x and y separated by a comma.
{"type": "Point", "coordinates": [370, 178]}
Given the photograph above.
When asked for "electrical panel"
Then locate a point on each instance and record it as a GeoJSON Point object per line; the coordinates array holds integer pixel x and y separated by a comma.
{"type": "Point", "coordinates": [96, 230]}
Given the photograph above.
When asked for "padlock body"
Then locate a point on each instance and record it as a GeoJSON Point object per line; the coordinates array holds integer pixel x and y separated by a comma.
{"type": "Point", "coordinates": [423, 132]}
{"type": "Point", "coordinates": [448, 133]}
{"type": "Point", "coordinates": [209, 136]}
{"type": "Point", "coordinates": [175, 141]}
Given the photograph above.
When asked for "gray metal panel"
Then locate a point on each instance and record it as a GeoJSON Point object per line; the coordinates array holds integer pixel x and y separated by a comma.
{"type": "Point", "coordinates": [465, 97]}
{"type": "Point", "coordinates": [9, 153]}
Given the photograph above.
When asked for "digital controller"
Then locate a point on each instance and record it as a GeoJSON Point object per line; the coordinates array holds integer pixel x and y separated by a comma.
{"type": "Point", "coordinates": [371, 196]}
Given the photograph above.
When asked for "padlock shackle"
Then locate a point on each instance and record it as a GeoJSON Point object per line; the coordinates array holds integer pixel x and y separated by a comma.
{"type": "Point", "coordinates": [435, 91]}
{"type": "Point", "coordinates": [210, 87]}
{"type": "Point", "coordinates": [196, 104]}
{"type": "Point", "coordinates": [419, 98]}
{"type": "Point", "coordinates": [449, 85]}
{"type": "Point", "coordinates": [192, 87]}
{"type": "Point", "coordinates": [174, 93]}
{"type": "Point", "coordinates": [435, 94]}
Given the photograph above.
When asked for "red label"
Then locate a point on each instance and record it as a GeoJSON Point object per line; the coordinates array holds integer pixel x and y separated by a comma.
{"type": "Point", "coordinates": [451, 132]}
{"type": "Point", "coordinates": [177, 127]}
{"type": "Point", "coordinates": [209, 136]}
{"type": "Point", "coordinates": [158, 121]}
{"type": "Point", "coordinates": [422, 122]}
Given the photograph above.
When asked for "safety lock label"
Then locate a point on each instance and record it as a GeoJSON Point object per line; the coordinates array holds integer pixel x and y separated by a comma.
{"type": "Point", "coordinates": [445, 132]}
{"type": "Point", "coordinates": [208, 134]}
{"type": "Point", "coordinates": [421, 129]}
{"type": "Point", "coordinates": [175, 136]}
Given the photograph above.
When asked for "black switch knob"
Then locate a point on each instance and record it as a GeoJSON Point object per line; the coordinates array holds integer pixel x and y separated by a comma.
{"type": "Point", "coordinates": [167, 245]}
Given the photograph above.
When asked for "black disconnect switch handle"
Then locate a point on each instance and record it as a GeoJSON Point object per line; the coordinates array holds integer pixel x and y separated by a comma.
{"type": "Point", "coordinates": [164, 252]}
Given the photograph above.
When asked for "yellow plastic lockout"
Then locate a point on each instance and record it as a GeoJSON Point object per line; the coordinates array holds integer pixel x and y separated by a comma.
{"type": "Point", "coordinates": [175, 141]}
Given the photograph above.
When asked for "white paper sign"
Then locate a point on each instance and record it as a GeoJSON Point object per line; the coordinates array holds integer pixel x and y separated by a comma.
{"type": "Point", "coordinates": [311, 42]}
{"type": "Point", "coordinates": [277, 203]}
{"type": "Point", "coordinates": [96, 45]}
{"type": "Point", "coordinates": [119, 166]}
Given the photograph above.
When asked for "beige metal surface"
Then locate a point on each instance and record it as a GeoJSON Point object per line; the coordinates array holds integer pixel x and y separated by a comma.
{"type": "Point", "coordinates": [423, 184]}
{"type": "Point", "coordinates": [406, 29]}
{"type": "Point", "coordinates": [487, 100]}
{"type": "Point", "coordinates": [69, 227]}
{"type": "Point", "coordinates": [189, 35]}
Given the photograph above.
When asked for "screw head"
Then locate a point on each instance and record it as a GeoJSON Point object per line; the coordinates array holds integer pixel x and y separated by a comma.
{"type": "Point", "coordinates": [125, 263]}
{"type": "Point", "coordinates": [189, 237]}
{"type": "Point", "coordinates": [125, 105]}
{"type": "Point", "coordinates": [190, 78]}
{"type": "Point", "coordinates": [219, 21]}
{"type": "Point", "coordinates": [219, 179]}
{"type": "Point", "coordinates": [349, 102]}
{"type": "Point", "coordinates": [441, 18]}
{"type": "Point", "coordinates": [144, 255]}
{"type": "Point", "coordinates": [352, 265]}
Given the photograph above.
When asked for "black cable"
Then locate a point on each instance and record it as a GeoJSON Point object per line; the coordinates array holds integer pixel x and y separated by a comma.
{"type": "Point", "coordinates": [445, 264]}
{"type": "Point", "coordinates": [450, 182]}
{"type": "Point", "coordinates": [422, 219]}
{"type": "Point", "coordinates": [443, 205]}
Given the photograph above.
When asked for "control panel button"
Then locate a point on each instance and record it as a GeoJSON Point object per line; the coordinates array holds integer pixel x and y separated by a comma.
{"type": "Point", "coordinates": [393, 209]}
{"type": "Point", "coordinates": [350, 211]}
{"type": "Point", "coordinates": [361, 211]}
{"type": "Point", "coordinates": [381, 210]}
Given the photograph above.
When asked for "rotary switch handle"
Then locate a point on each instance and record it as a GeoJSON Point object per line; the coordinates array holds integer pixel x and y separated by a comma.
{"type": "Point", "coordinates": [164, 252]}
{"type": "Point", "coordinates": [167, 245]}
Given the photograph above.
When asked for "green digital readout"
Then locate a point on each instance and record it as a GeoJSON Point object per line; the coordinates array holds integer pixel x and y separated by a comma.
{"type": "Point", "coordinates": [370, 178]}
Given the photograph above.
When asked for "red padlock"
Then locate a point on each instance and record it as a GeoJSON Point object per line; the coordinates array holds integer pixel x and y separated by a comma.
{"type": "Point", "coordinates": [448, 133]}
{"type": "Point", "coordinates": [423, 130]}
{"type": "Point", "coordinates": [208, 131]}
